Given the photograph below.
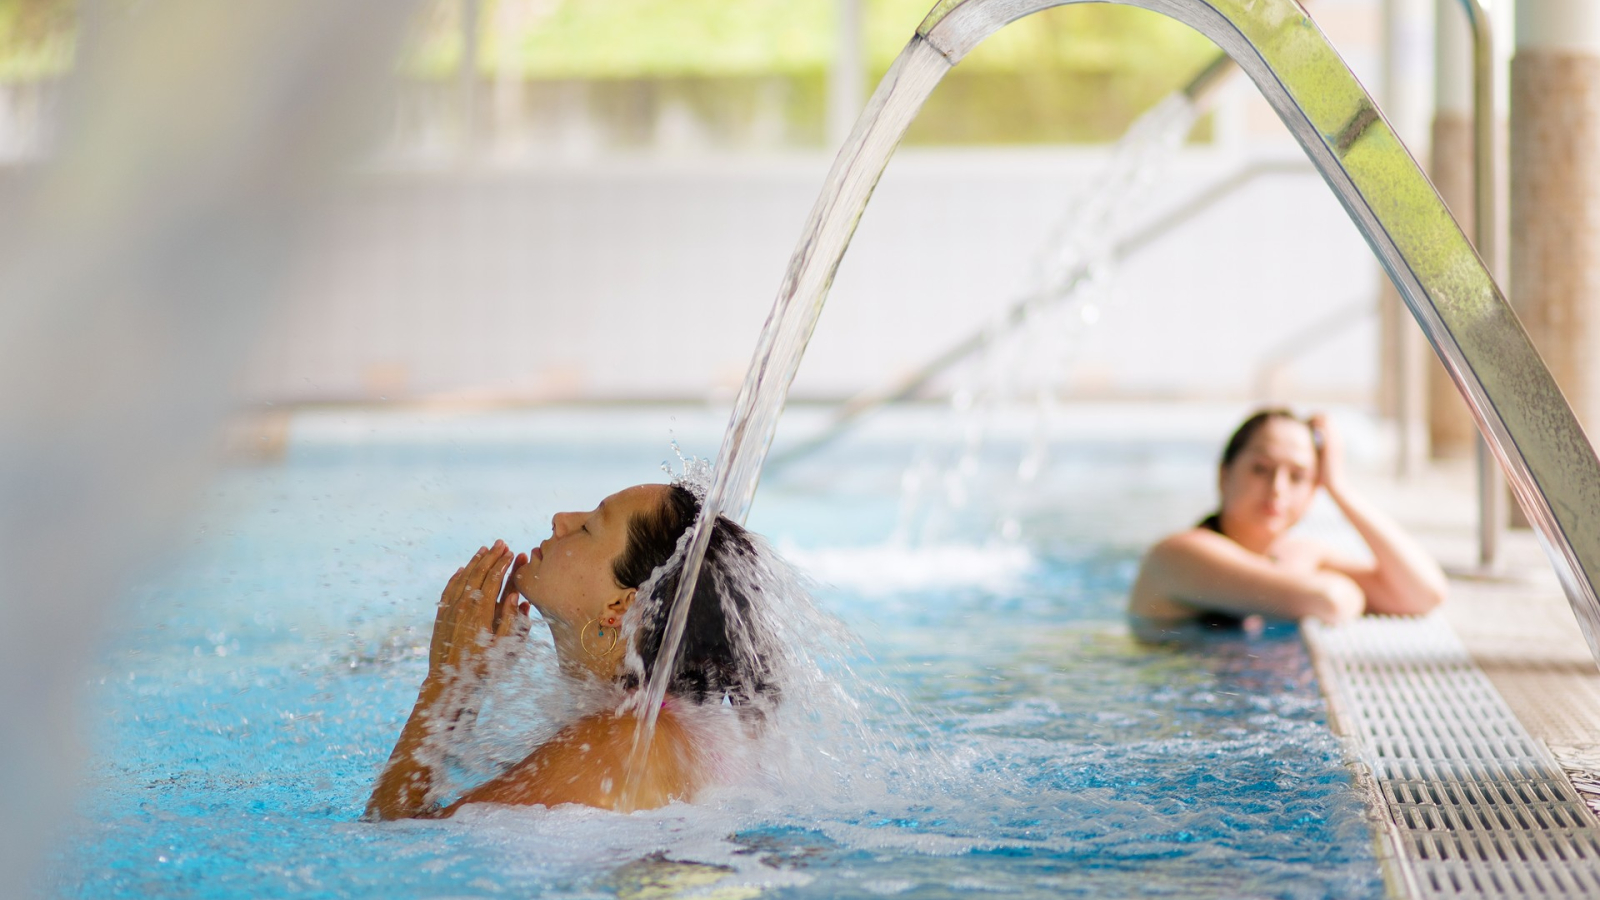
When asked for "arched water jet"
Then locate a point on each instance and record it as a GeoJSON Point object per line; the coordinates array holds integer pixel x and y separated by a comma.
{"type": "Point", "coordinates": [1518, 407]}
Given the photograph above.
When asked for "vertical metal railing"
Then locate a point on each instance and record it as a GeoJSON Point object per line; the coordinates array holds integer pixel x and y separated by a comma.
{"type": "Point", "coordinates": [1485, 228]}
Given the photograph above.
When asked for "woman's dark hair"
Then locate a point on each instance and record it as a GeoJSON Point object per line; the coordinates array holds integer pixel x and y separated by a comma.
{"type": "Point", "coordinates": [719, 657]}
{"type": "Point", "coordinates": [1248, 428]}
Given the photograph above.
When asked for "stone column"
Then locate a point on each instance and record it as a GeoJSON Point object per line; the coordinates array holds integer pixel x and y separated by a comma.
{"type": "Point", "coordinates": [1555, 192]}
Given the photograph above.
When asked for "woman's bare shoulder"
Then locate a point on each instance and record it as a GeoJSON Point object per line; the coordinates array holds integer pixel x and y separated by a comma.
{"type": "Point", "coordinates": [1188, 544]}
{"type": "Point", "coordinates": [587, 763]}
{"type": "Point", "coordinates": [1153, 595]}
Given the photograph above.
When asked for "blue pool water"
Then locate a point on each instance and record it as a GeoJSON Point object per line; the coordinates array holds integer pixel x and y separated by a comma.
{"type": "Point", "coordinates": [1019, 741]}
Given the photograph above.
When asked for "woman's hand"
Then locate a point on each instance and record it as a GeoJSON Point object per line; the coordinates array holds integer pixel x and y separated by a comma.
{"type": "Point", "coordinates": [1330, 453]}
{"type": "Point", "coordinates": [511, 612]}
{"type": "Point", "coordinates": [1343, 599]}
{"type": "Point", "coordinates": [474, 610]}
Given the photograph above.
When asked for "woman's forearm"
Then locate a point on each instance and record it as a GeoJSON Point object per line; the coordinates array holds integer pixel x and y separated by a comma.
{"type": "Point", "coordinates": [405, 786]}
{"type": "Point", "coordinates": [1411, 581]}
{"type": "Point", "coordinates": [466, 622]}
{"type": "Point", "coordinates": [1201, 570]}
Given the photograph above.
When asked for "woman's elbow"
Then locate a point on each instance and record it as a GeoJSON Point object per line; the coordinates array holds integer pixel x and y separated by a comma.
{"type": "Point", "coordinates": [1432, 597]}
{"type": "Point", "coordinates": [1418, 600]}
{"type": "Point", "coordinates": [1430, 594]}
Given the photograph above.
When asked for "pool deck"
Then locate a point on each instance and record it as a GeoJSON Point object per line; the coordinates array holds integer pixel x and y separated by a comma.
{"type": "Point", "coordinates": [1476, 731]}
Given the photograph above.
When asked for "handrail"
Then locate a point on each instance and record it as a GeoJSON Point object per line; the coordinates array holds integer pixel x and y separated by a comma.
{"type": "Point", "coordinates": [1020, 309]}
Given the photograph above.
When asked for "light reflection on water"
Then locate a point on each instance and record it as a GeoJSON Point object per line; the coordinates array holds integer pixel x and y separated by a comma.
{"type": "Point", "coordinates": [256, 687]}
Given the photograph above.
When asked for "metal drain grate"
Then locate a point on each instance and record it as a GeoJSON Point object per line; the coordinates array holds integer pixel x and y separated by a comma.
{"type": "Point", "coordinates": [1473, 806]}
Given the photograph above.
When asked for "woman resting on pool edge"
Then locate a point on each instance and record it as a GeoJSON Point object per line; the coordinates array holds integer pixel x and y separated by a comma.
{"type": "Point", "coordinates": [585, 580]}
{"type": "Point", "coordinates": [1241, 561]}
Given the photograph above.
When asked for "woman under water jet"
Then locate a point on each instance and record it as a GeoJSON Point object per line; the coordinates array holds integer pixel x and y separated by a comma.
{"type": "Point", "coordinates": [1241, 561]}
{"type": "Point", "coordinates": [599, 582]}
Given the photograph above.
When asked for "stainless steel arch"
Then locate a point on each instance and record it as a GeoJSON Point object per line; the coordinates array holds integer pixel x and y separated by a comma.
{"type": "Point", "coordinates": [1529, 427]}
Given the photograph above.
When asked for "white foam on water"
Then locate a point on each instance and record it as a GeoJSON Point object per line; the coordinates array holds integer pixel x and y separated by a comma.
{"type": "Point", "coordinates": [892, 568]}
{"type": "Point", "coordinates": [572, 843]}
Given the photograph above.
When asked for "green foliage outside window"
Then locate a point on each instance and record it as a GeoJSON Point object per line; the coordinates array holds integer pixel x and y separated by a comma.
{"type": "Point", "coordinates": [561, 39]}
{"type": "Point", "coordinates": [36, 38]}
{"type": "Point", "coordinates": [1076, 73]}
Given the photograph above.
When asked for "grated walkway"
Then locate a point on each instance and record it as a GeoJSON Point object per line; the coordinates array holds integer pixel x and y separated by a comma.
{"type": "Point", "coordinates": [1471, 804]}
{"type": "Point", "coordinates": [1475, 730]}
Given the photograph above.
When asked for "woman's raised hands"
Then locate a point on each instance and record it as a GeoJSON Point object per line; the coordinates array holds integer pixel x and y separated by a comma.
{"type": "Point", "coordinates": [475, 609]}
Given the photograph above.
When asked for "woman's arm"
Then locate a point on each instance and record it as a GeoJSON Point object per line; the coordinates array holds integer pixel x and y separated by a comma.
{"type": "Point", "coordinates": [467, 622]}
{"type": "Point", "coordinates": [1402, 579]}
{"type": "Point", "coordinates": [1202, 570]}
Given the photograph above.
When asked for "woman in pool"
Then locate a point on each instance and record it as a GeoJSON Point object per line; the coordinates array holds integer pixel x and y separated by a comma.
{"type": "Point", "coordinates": [1241, 561]}
{"type": "Point", "coordinates": [586, 581]}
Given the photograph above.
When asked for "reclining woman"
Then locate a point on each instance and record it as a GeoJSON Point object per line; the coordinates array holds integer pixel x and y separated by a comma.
{"type": "Point", "coordinates": [595, 582]}
{"type": "Point", "coordinates": [1242, 561]}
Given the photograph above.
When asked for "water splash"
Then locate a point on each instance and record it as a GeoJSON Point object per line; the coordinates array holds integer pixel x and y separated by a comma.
{"type": "Point", "coordinates": [833, 220]}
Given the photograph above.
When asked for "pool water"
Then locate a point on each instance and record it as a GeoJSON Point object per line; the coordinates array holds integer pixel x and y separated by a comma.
{"type": "Point", "coordinates": [1018, 742]}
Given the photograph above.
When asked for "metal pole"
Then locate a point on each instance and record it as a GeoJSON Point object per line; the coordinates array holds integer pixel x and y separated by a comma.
{"type": "Point", "coordinates": [1406, 106]}
{"type": "Point", "coordinates": [1491, 481]}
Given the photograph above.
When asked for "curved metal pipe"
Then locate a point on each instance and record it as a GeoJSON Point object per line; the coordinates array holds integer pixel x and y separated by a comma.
{"type": "Point", "coordinates": [1521, 412]}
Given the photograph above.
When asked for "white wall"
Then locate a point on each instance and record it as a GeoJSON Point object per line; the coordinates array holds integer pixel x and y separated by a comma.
{"type": "Point", "coordinates": [652, 279]}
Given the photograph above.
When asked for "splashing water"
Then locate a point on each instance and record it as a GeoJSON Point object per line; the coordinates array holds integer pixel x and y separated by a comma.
{"type": "Point", "coordinates": [783, 340]}
{"type": "Point", "coordinates": [816, 733]}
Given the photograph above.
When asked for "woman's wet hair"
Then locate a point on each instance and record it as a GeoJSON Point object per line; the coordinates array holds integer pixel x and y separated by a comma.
{"type": "Point", "coordinates": [1248, 428]}
{"type": "Point", "coordinates": [719, 658]}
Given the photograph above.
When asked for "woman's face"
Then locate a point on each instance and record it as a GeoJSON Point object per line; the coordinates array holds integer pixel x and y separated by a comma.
{"type": "Point", "coordinates": [1271, 483]}
{"type": "Point", "coordinates": [568, 577]}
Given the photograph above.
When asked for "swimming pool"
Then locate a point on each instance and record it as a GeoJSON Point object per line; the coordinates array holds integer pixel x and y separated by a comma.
{"type": "Point", "coordinates": [1019, 742]}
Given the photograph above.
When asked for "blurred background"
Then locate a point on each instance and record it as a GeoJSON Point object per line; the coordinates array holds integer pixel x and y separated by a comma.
{"type": "Point", "coordinates": [614, 187]}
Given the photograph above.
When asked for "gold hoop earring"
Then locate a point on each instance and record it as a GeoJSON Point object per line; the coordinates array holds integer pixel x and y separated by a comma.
{"type": "Point", "coordinates": [596, 631]}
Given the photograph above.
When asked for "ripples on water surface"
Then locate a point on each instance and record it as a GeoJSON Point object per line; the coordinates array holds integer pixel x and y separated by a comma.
{"type": "Point", "coordinates": [253, 688]}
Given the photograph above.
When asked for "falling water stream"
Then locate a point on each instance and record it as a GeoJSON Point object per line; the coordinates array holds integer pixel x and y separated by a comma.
{"type": "Point", "coordinates": [783, 340]}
